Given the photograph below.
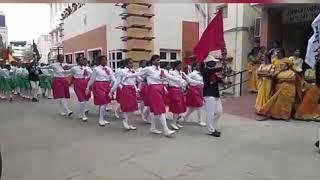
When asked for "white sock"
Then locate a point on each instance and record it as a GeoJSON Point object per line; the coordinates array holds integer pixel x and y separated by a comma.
{"type": "Point", "coordinates": [65, 106]}
{"type": "Point", "coordinates": [153, 121]}
{"type": "Point", "coordinates": [82, 109]}
{"type": "Point", "coordinates": [163, 121]}
{"type": "Point", "coordinates": [175, 118]}
{"type": "Point", "coordinates": [102, 111]}
{"type": "Point", "coordinates": [60, 106]}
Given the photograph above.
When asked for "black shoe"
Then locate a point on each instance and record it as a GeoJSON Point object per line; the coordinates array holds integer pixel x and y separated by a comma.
{"type": "Point", "coordinates": [70, 114]}
{"type": "Point", "coordinates": [87, 111]}
{"type": "Point", "coordinates": [11, 99]}
{"type": "Point", "coordinates": [317, 144]}
{"type": "Point", "coordinates": [215, 134]}
{"type": "Point", "coordinates": [35, 100]}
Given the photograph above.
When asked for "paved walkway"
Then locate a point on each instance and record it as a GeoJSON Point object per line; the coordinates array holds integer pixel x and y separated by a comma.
{"type": "Point", "coordinates": [37, 144]}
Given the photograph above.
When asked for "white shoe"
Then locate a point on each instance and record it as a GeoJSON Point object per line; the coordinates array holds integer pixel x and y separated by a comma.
{"type": "Point", "coordinates": [102, 123]}
{"type": "Point", "coordinates": [116, 114]}
{"type": "Point", "coordinates": [133, 127]}
{"type": "Point", "coordinates": [125, 125]}
{"type": "Point", "coordinates": [169, 133]}
{"type": "Point", "coordinates": [203, 124]}
{"type": "Point", "coordinates": [155, 131]}
{"type": "Point", "coordinates": [106, 122]}
{"type": "Point", "coordinates": [175, 127]}
{"type": "Point", "coordinates": [179, 125]}
{"type": "Point", "coordinates": [85, 118]}
{"type": "Point", "coordinates": [62, 114]}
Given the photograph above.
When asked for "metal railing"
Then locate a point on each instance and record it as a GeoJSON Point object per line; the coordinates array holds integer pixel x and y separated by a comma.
{"type": "Point", "coordinates": [236, 84]}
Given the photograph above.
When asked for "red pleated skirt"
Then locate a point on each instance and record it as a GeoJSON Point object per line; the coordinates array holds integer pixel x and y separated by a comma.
{"type": "Point", "coordinates": [80, 86]}
{"type": "Point", "coordinates": [144, 95]}
{"type": "Point", "coordinates": [128, 99]}
{"type": "Point", "coordinates": [60, 88]}
{"type": "Point", "coordinates": [177, 103]}
{"type": "Point", "coordinates": [156, 95]}
{"type": "Point", "coordinates": [101, 91]}
{"type": "Point", "coordinates": [194, 97]}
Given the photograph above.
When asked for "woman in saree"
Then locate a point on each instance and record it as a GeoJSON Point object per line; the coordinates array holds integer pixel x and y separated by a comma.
{"type": "Point", "coordinates": [253, 64]}
{"type": "Point", "coordinates": [309, 108]}
{"type": "Point", "coordinates": [280, 105]}
{"type": "Point", "coordinates": [265, 72]}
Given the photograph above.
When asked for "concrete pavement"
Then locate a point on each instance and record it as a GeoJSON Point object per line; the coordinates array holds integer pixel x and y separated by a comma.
{"type": "Point", "coordinates": [37, 144]}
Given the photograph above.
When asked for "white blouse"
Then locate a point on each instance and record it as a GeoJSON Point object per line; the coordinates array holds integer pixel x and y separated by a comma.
{"type": "Point", "coordinates": [80, 72]}
{"type": "Point", "coordinates": [131, 81]}
{"type": "Point", "coordinates": [195, 78]}
{"type": "Point", "coordinates": [155, 75]}
{"type": "Point", "coordinates": [101, 73]}
{"type": "Point", "coordinates": [177, 74]}
{"type": "Point", "coordinates": [58, 70]}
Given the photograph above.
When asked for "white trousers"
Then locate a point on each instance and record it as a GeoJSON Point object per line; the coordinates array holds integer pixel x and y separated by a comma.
{"type": "Point", "coordinates": [34, 88]}
{"type": "Point", "coordinates": [214, 111]}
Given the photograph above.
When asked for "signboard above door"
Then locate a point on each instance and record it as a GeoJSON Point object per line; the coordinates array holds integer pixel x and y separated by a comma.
{"type": "Point", "coordinates": [301, 13]}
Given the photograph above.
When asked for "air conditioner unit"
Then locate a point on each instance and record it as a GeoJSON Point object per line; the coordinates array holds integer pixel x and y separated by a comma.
{"type": "Point", "coordinates": [257, 27]}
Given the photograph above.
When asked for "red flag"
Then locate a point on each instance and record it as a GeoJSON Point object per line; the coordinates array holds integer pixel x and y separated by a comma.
{"type": "Point", "coordinates": [211, 39]}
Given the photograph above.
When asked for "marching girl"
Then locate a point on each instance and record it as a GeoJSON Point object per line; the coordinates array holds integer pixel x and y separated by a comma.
{"type": "Point", "coordinates": [143, 93]}
{"type": "Point", "coordinates": [60, 85]}
{"type": "Point", "coordinates": [100, 82]}
{"type": "Point", "coordinates": [8, 82]}
{"type": "Point", "coordinates": [45, 82]}
{"type": "Point", "coordinates": [177, 104]}
{"type": "Point", "coordinates": [117, 75]}
{"type": "Point", "coordinates": [156, 92]}
{"type": "Point", "coordinates": [23, 81]}
{"type": "Point", "coordinates": [81, 74]}
{"type": "Point", "coordinates": [194, 97]}
{"type": "Point", "coordinates": [128, 99]}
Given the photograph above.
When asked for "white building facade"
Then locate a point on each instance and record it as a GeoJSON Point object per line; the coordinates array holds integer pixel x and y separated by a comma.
{"type": "Point", "coordinates": [3, 29]}
{"type": "Point", "coordinates": [18, 47]}
{"type": "Point", "coordinates": [168, 29]}
{"type": "Point", "coordinates": [44, 45]}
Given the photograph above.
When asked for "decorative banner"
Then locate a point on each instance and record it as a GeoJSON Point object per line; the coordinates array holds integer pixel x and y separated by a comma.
{"type": "Point", "coordinates": [300, 14]}
{"type": "Point", "coordinates": [313, 49]}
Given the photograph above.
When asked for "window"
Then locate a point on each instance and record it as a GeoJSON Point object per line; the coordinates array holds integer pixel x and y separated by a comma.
{"type": "Point", "coordinates": [119, 55]}
{"type": "Point", "coordinates": [113, 56]}
{"type": "Point", "coordinates": [2, 21]}
{"type": "Point", "coordinates": [173, 55]}
{"type": "Point", "coordinates": [68, 58]}
{"type": "Point", "coordinates": [79, 54]}
{"type": "Point", "coordinates": [257, 27]}
{"type": "Point", "coordinates": [163, 55]}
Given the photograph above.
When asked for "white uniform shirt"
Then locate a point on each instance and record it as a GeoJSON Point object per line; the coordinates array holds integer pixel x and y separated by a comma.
{"type": "Point", "coordinates": [18, 71]}
{"type": "Point", "coordinates": [101, 73]}
{"type": "Point", "coordinates": [58, 70]}
{"type": "Point", "coordinates": [177, 74]}
{"type": "Point", "coordinates": [24, 72]}
{"type": "Point", "coordinates": [195, 78]}
{"type": "Point", "coordinates": [6, 73]}
{"type": "Point", "coordinates": [80, 72]}
{"type": "Point", "coordinates": [131, 81]}
{"type": "Point", "coordinates": [156, 75]}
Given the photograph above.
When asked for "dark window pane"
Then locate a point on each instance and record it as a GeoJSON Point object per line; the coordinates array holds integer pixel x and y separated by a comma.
{"type": "Point", "coordinates": [163, 55]}
{"type": "Point", "coordinates": [113, 56]}
{"type": "Point", "coordinates": [2, 21]}
{"type": "Point", "coordinates": [113, 65]}
{"type": "Point", "coordinates": [119, 55]}
{"type": "Point", "coordinates": [173, 55]}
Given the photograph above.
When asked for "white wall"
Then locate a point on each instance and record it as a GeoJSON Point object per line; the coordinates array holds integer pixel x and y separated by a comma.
{"type": "Point", "coordinates": [96, 15]}
{"type": "Point", "coordinates": [168, 23]}
{"type": "Point", "coordinates": [113, 35]}
{"type": "Point", "coordinates": [44, 45]}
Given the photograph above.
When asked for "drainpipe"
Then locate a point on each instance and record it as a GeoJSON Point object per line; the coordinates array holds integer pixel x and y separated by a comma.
{"type": "Point", "coordinates": [236, 44]}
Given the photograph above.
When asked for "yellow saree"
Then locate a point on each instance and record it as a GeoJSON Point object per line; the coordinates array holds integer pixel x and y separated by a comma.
{"type": "Point", "coordinates": [280, 105]}
{"type": "Point", "coordinates": [252, 69]}
{"type": "Point", "coordinates": [265, 91]}
{"type": "Point", "coordinates": [309, 108]}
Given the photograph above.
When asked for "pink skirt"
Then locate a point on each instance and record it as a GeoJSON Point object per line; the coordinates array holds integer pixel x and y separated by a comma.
{"type": "Point", "coordinates": [80, 86]}
{"type": "Point", "coordinates": [194, 97]}
{"type": "Point", "coordinates": [144, 95]}
{"type": "Point", "coordinates": [167, 97]}
{"type": "Point", "coordinates": [101, 91]}
{"type": "Point", "coordinates": [128, 99]}
{"type": "Point", "coordinates": [60, 88]}
{"type": "Point", "coordinates": [177, 103]}
{"type": "Point", "coordinates": [118, 94]}
{"type": "Point", "coordinates": [156, 95]}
